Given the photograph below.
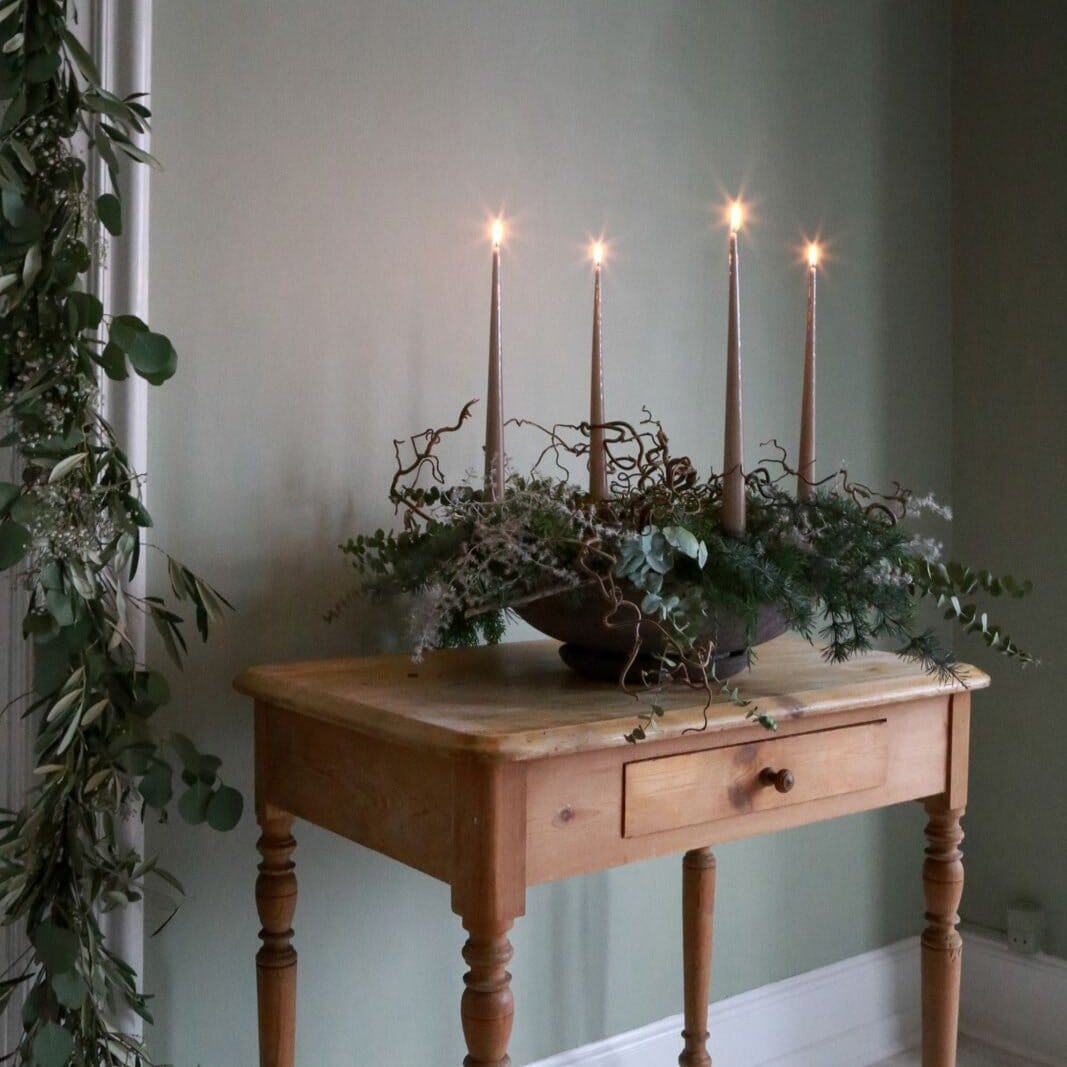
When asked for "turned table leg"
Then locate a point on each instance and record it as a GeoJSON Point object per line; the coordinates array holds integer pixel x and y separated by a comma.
{"type": "Point", "coordinates": [276, 960]}
{"type": "Point", "coordinates": [488, 1006]}
{"type": "Point", "coordinates": [698, 906]}
{"type": "Point", "coordinates": [942, 947]}
{"type": "Point", "coordinates": [488, 894]}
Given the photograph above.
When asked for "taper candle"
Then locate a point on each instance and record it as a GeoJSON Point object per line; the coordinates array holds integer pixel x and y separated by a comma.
{"type": "Point", "coordinates": [598, 473]}
{"type": "Point", "coordinates": [806, 462]}
{"type": "Point", "coordinates": [494, 409]}
{"type": "Point", "coordinates": [733, 487]}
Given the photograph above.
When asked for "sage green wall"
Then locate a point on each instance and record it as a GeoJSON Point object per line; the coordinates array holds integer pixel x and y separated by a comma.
{"type": "Point", "coordinates": [318, 256]}
{"type": "Point", "coordinates": [1009, 220]}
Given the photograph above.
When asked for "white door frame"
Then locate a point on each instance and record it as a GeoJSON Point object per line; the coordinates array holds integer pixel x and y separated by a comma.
{"type": "Point", "coordinates": [16, 750]}
{"type": "Point", "coordinates": [120, 40]}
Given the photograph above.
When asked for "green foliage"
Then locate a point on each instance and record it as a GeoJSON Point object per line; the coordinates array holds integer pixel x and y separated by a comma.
{"type": "Point", "coordinates": [839, 564]}
{"type": "Point", "coordinates": [73, 523]}
{"type": "Point", "coordinates": [468, 561]}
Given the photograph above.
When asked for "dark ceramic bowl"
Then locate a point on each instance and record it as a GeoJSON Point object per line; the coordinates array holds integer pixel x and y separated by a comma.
{"type": "Point", "coordinates": [593, 648]}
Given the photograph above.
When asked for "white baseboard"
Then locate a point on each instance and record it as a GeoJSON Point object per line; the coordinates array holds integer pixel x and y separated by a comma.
{"type": "Point", "coordinates": [1017, 1003]}
{"type": "Point", "coordinates": [860, 1012]}
{"type": "Point", "coordinates": [850, 1014]}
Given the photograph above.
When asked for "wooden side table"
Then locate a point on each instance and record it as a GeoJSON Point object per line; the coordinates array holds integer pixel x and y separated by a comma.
{"type": "Point", "coordinates": [494, 769]}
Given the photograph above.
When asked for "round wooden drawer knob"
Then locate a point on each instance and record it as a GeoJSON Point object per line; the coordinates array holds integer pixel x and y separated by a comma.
{"type": "Point", "coordinates": [783, 780]}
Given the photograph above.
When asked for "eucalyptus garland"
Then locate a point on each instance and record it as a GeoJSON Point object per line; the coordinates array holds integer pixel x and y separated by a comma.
{"type": "Point", "coordinates": [73, 526]}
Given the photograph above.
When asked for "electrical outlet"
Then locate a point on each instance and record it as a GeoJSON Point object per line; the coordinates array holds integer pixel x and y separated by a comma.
{"type": "Point", "coordinates": [1026, 922]}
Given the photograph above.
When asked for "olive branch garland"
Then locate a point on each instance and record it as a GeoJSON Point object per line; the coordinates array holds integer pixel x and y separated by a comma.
{"type": "Point", "coordinates": [73, 526]}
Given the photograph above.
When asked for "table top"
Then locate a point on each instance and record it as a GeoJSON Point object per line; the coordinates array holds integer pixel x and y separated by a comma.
{"type": "Point", "coordinates": [520, 702]}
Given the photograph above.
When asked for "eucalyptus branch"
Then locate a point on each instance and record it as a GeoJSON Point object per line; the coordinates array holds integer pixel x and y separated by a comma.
{"type": "Point", "coordinates": [72, 524]}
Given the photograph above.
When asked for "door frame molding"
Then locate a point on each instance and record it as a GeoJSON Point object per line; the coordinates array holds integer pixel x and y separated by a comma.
{"type": "Point", "coordinates": [120, 40]}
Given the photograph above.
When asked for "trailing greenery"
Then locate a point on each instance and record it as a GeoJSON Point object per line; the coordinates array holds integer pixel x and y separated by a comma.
{"type": "Point", "coordinates": [72, 525]}
{"type": "Point", "coordinates": [838, 564]}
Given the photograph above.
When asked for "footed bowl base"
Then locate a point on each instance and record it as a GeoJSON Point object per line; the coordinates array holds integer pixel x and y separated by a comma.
{"type": "Point", "coordinates": [607, 666]}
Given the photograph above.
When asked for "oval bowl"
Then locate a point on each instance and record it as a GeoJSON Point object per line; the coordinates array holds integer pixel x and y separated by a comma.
{"type": "Point", "coordinates": [592, 647]}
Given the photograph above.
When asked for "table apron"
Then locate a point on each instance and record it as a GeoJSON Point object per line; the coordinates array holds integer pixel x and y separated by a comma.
{"type": "Point", "coordinates": [576, 805]}
{"type": "Point", "coordinates": [392, 799]}
{"type": "Point", "coordinates": [409, 804]}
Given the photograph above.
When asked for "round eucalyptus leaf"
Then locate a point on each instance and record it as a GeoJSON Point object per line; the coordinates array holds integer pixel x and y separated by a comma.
{"type": "Point", "coordinates": [109, 208]}
{"type": "Point", "coordinates": [70, 989]}
{"type": "Point", "coordinates": [14, 541]}
{"type": "Point", "coordinates": [225, 808]}
{"type": "Point", "coordinates": [113, 362]}
{"type": "Point", "coordinates": [208, 769]}
{"type": "Point", "coordinates": [193, 804]}
{"type": "Point", "coordinates": [39, 1001]}
{"type": "Point", "coordinates": [683, 540]}
{"type": "Point", "coordinates": [57, 947]}
{"type": "Point", "coordinates": [9, 493]}
{"type": "Point", "coordinates": [60, 606]}
{"type": "Point", "coordinates": [125, 330]}
{"type": "Point", "coordinates": [157, 786]}
{"type": "Point", "coordinates": [186, 750]}
{"type": "Point", "coordinates": [53, 1046]}
{"type": "Point", "coordinates": [25, 509]}
{"type": "Point", "coordinates": [153, 356]}
{"type": "Point", "coordinates": [88, 311]}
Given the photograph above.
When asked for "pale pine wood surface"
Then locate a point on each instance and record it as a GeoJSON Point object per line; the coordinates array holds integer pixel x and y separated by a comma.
{"type": "Point", "coordinates": [519, 702]}
{"type": "Point", "coordinates": [497, 769]}
{"type": "Point", "coordinates": [576, 804]}
{"type": "Point", "coordinates": [665, 792]}
{"type": "Point", "coordinates": [698, 908]}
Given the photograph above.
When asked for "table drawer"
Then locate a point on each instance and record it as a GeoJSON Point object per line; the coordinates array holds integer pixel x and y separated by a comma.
{"type": "Point", "coordinates": [695, 787]}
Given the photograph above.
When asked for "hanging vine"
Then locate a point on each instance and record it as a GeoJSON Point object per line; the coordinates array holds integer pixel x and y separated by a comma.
{"type": "Point", "coordinates": [73, 526]}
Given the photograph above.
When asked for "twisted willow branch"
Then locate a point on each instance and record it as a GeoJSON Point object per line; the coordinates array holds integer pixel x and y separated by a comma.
{"type": "Point", "coordinates": [72, 526]}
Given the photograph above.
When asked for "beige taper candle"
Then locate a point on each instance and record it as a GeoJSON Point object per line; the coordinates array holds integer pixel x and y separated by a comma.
{"type": "Point", "coordinates": [733, 487]}
{"type": "Point", "coordinates": [598, 460]}
{"type": "Point", "coordinates": [806, 461]}
{"type": "Point", "coordinates": [494, 410]}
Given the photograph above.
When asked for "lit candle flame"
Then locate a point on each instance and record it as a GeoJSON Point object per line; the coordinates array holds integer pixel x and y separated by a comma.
{"type": "Point", "coordinates": [813, 254]}
{"type": "Point", "coordinates": [736, 216]}
{"type": "Point", "coordinates": [598, 252]}
{"type": "Point", "coordinates": [497, 232]}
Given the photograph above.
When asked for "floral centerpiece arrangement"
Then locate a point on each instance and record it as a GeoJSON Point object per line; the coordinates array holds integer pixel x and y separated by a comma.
{"type": "Point", "coordinates": [647, 586]}
{"type": "Point", "coordinates": [658, 574]}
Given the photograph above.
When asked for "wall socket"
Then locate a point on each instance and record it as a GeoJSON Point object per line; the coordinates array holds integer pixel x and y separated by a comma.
{"type": "Point", "coordinates": [1026, 925]}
